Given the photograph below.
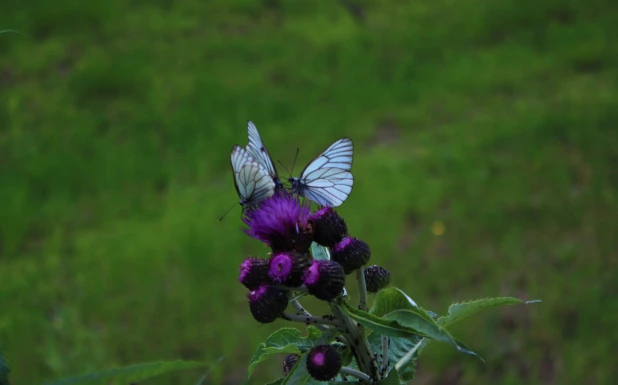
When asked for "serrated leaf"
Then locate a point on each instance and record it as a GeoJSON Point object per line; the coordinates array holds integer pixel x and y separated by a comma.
{"type": "Point", "coordinates": [4, 371]}
{"type": "Point", "coordinates": [390, 299]}
{"type": "Point", "coordinates": [320, 253]}
{"type": "Point", "coordinates": [427, 327]}
{"type": "Point", "coordinates": [288, 340]}
{"type": "Point", "coordinates": [406, 324]}
{"type": "Point", "coordinates": [460, 311]}
{"type": "Point", "coordinates": [379, 325]}
{"type": "Point", "coordinates": [399, 354]}
{"type": "Point", "coordinates": [280, 340]}
{"type": "Point", "coordinates": [130, 374]}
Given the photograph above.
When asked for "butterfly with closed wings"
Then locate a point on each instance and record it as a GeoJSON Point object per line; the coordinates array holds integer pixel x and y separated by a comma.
{"type": "Point", "coordinates": [327, 179]}
{"type": "Point", "coordinates": [253, 182]}
{"type": "Point", "coordinates": [258, 151]}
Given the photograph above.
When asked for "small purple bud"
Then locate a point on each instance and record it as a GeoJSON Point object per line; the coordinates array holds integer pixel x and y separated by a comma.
{"type": "Point", "coordinates": [287, 268]}
{"type": "Point", "coordinates": [323, 362]}
{"type": "Point", "coordinates": [351, 254]}
{"type": "Point", "coordinates": [288, 363]}
{"type": "Point", "coordinates": [267, 303]}
{"type": "Point", "coordinates": [324, 279]}
{"type": "Point", "coordinates": [328, 227]}
{"type": "Point", "coordinates": [253, 272]}
{"type": "Point", "coordinates": [376, 278]}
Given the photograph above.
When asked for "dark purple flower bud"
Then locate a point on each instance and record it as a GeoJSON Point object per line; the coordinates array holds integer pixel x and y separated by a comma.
{"type": "Point", "coordinates": [376, 278]}
{"type": "Point", "coordinates": [253, 272]}
{"type": "Point", "coordinates": [324, 279]}
{"type": "Point", "coordinates": [328, 227]}
{"type": "Point", "coordinates": [281, 222]}
{"type": "Point", "coordinates": [351, 254]}
{"type": "Point", "coordinates": [288, 363]}
{"type": "Point", "coordinates": [323, 362]}
{"type": "Point", "coordinates": [267, 303]}
{"type": "Point", "coordinates": [287, 268]}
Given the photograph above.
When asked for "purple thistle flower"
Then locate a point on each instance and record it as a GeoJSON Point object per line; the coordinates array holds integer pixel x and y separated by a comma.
{"type": "Point", "coordinates": [376, 278]}
{"type": "Point", "coordinates": [267, 303]}
{"type": "Point", "coordinates": [324, 279]}
{"type": "Point", "coordinates": [253, 272]}
{"type": "Point", "coordinates": [328, 227]}
{"type": "Point", "coordinates": [323, 362]}
{"type": "Point", "coordinates": [281, 222]}
{"type": "Point", "coordinates": [351, 253]}
{"type": "Point", "coordinates": [287, 268]}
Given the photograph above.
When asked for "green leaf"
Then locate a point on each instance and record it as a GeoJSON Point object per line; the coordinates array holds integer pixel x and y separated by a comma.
{"type": "Point", "coordinates": [460, 311]}
{"type": "Point", "coordinates": [288, 340]}
{"type": "Point", "coordinates": [427, 327]}
{"type": "Point", "coordinates": [402, 354]}
{"type": "Point", "coordinates": [130, 374]}
{"type": "Point", "coordinates": [406, 324]}
{"type": "Point", "coordinates": [4, 371]}
{"type": "Point", "coordinates": [379, 325]}
{"type": "Point", "coordinates": [282, 341]}
{"type": "Point", "coordinates": [393, 378]}
{"type": "Point", "coordinates": [320, 253]}
{"type": "Point", "coordinates": [390, 299]}
{"type": "Point", "coordinates": [277, 382]}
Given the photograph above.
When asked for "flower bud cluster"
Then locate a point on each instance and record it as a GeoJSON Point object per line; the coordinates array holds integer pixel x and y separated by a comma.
{"type": "Point", "coordinates": [286, 226]}
{"type": "Point", "coordinates": [330, 230]}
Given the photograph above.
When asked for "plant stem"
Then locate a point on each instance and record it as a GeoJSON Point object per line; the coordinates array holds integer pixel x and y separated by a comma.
{"type": "Point", "coordinates": [355, 373]}
{"type": "Point", "coordinates": [362, 289]}
{"type": "Point", "coordinates": [310, 320]}
{"type": "Point", "coordinates": [358, 343]}
{"type": "Point", "coordinates": [301, 311]}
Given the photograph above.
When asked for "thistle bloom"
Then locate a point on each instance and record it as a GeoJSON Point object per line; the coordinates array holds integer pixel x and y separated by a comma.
{"type": "Point", "coordinates": [324, 279]}
{"type": "Point", "coordinates": [323, 362]}
{"type": "Point", "coordinates": [253, 272]}
{"type": "Point", "coordinates": [376, 278]}
{"type": "Point", "coordinates": [351, 253]}
{"type": "Point", "coordinates": [267, 303]}
{"type": "Point", "coordinates": [287, 268]}
{"type": "Point", "coordinates": [328, 227]}
{"type": "Point", "coordinates": [281, 222]}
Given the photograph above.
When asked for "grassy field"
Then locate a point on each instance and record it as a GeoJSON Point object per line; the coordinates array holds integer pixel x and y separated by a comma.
{"type": "Point", "coordinates": [494, 119]}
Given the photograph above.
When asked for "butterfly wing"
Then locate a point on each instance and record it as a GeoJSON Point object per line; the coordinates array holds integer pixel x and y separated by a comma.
{"type": "Point", "coordinates": [328, 186]}
{"type": "Point", "coordinates": [258, 151]}
{"type": "Point", "coordinates": [252, 182]}
{"type": "Point", "coordinates": [327, 179]}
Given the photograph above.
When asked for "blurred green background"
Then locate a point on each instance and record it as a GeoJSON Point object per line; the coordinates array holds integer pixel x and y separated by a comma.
{"type": "Point", "coordinates": [486, 157]}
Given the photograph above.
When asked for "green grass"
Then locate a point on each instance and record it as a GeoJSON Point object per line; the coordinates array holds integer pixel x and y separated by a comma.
{"type": "Point", "coordinates": [497, 119]}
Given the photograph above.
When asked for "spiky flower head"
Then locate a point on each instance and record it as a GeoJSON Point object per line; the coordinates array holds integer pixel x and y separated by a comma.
{"type": "Point", "coordinates": [328, 227]}
{"type": "Point", "coordinates": [324, 279]}
{"type": "Point", "coordinates": [376, 278]}
{"type": "Point", "coordinates": [287, 268]}
{"type": "Point", "coordinates": [281, 222]}
{"type": "Point", "coordinates": [323, 362]}
{"type": "Point", "coordinates": [253, 272]}
{"type": "Point", "coordinates": [288, 363]}
{"type": "Point", "coordinates": [351, 253]}
{"type": "Point", "coordinates": [267, 303]}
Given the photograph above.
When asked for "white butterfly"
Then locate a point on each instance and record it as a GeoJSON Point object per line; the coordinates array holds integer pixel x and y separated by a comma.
{"type": "Point", "coordinates": [258, 151]}
{"type": "Point", "coordinates": [252, 181]}
{"type": "Point", "coordinates": [327, 180]}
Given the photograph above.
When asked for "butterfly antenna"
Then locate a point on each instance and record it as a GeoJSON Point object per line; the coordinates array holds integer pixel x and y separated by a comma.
{"type": "Point", "coordinates": [295, 157]}
{"type": "Point", "coordinates": [285, 168]}
{"type": "Point", "coordinates": [227, 212]}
